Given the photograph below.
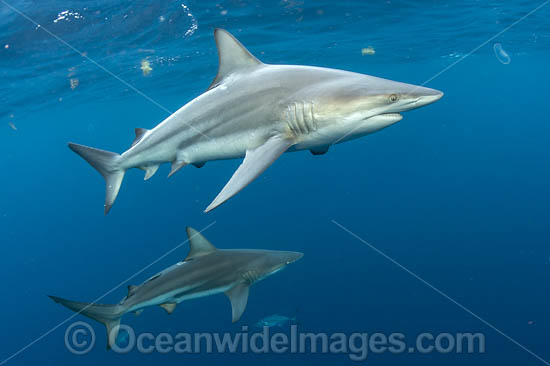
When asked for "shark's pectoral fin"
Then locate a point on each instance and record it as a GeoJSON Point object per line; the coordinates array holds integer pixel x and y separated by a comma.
{"type": "Point", "coordinates": [169, 307]}
{"type": "Point", "coordinates": [232, 55]}
{"type": "Point", "coordinates": [238, 296]}
{"type": "Point", "coordinates": [319, 150]}
{"type": "Point", "coordinates": [254, 164]}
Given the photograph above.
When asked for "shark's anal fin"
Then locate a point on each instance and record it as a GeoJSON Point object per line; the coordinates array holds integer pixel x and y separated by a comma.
{"type": "Point", "coordinates": [150, 171]}
{"type": "Point", "coordinates": [254, 164]}
{"type": "Point", "coordinates": [232, 56]}
{"type": "Point", "coordinates": [198, 244]}
{"type": "Point", "coordinates": [169, 307]}
{"type": "Point", "coordinates": [319, 150]}
{"type": "Point", "coordinates": [238, 296]}
{"type": "Point", "coordinates": [199, 165]}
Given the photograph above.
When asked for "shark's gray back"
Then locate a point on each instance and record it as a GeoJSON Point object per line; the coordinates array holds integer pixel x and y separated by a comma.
{"type": "Point", "coordinates": [211, 272]}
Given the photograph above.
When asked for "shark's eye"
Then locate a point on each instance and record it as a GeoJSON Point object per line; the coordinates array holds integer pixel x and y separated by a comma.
{"type": "Point", "coordinates": [393, 98]}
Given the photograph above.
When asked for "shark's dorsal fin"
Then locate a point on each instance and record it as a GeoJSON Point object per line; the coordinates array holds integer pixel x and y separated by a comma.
{"type": "Point", "coordinates": [199, 245]}
{"type": "Point", "coordinates": [140, 132]}
{"type": "Point", "coordinates": [232, 56]}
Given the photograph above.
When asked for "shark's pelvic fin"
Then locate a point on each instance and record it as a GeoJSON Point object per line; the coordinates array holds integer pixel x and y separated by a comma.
{"type": "Point", "coordinates": [109, 315]}
{"type": "Point", "coordinates": [176, 165]}
{"type": "Point", "coordinates": [319, 150]}
{"type": "Point", "coordinates": [198, 244]}
{"type": "Point", "coordinates": [169, 307]}
{"type": "Point", "coordinates": [238, 296]}
{"type": "Point", "coordinates": [140, 132]}
{"type": "Point", "coordinates": [232, 56]}
{"type": "Point", "coordinates": [105, 162]}
{"type": "Point", "coordinates": [254, 164]}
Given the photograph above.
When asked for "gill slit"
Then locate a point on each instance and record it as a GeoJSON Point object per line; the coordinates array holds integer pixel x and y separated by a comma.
{"type": "Point", "coordinates": [300, 118]}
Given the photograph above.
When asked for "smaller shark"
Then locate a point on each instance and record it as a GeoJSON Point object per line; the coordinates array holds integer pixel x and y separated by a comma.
{"type": "Point", "coordinates": [205, 271]}
{"type": "Point", "coordinates": [274, 320]}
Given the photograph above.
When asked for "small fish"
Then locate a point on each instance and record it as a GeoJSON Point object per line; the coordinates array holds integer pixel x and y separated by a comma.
{"type": "Point", "coordinates": [146, 67]}
{"type": "Point", "coordinates": [74, 83]}
{"type": "Point", "coordinates": [368, 51]}
{"type": "Point", "coordinates": [13, 127]}
{"type": "Point", "coordinates": [274, 321]}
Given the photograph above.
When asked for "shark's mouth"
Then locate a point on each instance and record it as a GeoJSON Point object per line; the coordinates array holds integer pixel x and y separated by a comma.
{"type": "Point", "coordinates": [383, 117]}
{"type": "Point", "coordinates": [389, 115]}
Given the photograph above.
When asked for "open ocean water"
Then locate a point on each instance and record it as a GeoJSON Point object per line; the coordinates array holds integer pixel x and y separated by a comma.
{"type": "Point", "coordinates": [455, 196]}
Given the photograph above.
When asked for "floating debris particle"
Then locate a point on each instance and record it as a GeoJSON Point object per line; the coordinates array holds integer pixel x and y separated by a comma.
{"type": "Point", "coordinates": [530, 322]}
{"type": "Point", "coordinates": [194, 24]}
{"type": "Point", "coordinates": [146, 67]}
{"type": "Point", "coordinates": [12, 126]}
{"type": "Point", "coordinates": [67, 15]}
{"type": "Point", "coordinates": [501, 54]}
{"type": "Point", "coordinates": [223, 12]}
{"type": "Point", "coordinates": [74, 83]}
{"type": "Point", "coordinates": [161, 19]}
{"type": "Point", "coordinates": [368, 51]}
{"type": "Point", "coordinates": [6, 46]}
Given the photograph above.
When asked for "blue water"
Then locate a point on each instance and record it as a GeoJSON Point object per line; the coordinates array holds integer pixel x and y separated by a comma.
{"type": "Point", "coordinates": [457, 192]}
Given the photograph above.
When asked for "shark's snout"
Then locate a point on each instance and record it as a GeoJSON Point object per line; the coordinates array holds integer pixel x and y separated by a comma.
{"type": "Point", "coordinates": [292, 257]}
{"type": "Point", "coordinates": [427, 96]}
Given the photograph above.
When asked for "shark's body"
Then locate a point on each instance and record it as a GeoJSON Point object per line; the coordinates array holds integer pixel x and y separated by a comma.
{"type": "Point", "coordinates": [260, 111]}
{"type": "Point", "coordinates": [206, 271]}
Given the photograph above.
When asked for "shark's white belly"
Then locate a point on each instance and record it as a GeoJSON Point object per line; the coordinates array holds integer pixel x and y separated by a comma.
{"type": "Point", "coordinates": [170, 297]}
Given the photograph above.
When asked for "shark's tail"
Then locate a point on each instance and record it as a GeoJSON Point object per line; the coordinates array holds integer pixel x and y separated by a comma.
{"type": "Point", "coordinates": [104, 162]}
{"type": "Point", "coordinates": [109, 315]}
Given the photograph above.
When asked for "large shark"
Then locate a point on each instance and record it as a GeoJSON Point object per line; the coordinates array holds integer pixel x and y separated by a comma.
{"type": "Point", "coordinates": [259, 111]}
{"type": "Point", "coordinates": [205, 271]}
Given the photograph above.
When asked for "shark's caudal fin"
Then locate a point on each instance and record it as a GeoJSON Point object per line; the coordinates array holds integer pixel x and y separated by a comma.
{"type": "Point", "coordinates": [105, 162]}
{"type": "Point", "coordinates": [109, 315]}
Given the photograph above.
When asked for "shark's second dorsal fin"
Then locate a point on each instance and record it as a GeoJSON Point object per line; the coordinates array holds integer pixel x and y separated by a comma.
{"type": "Point", "coordinates": [140, 132]}
{"type": "Point", "coordinates": [131, 290]}
{"type": "Point", "coordinates": [232, 56]}
{"type": "Point", "coordinates": [199, 245]}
